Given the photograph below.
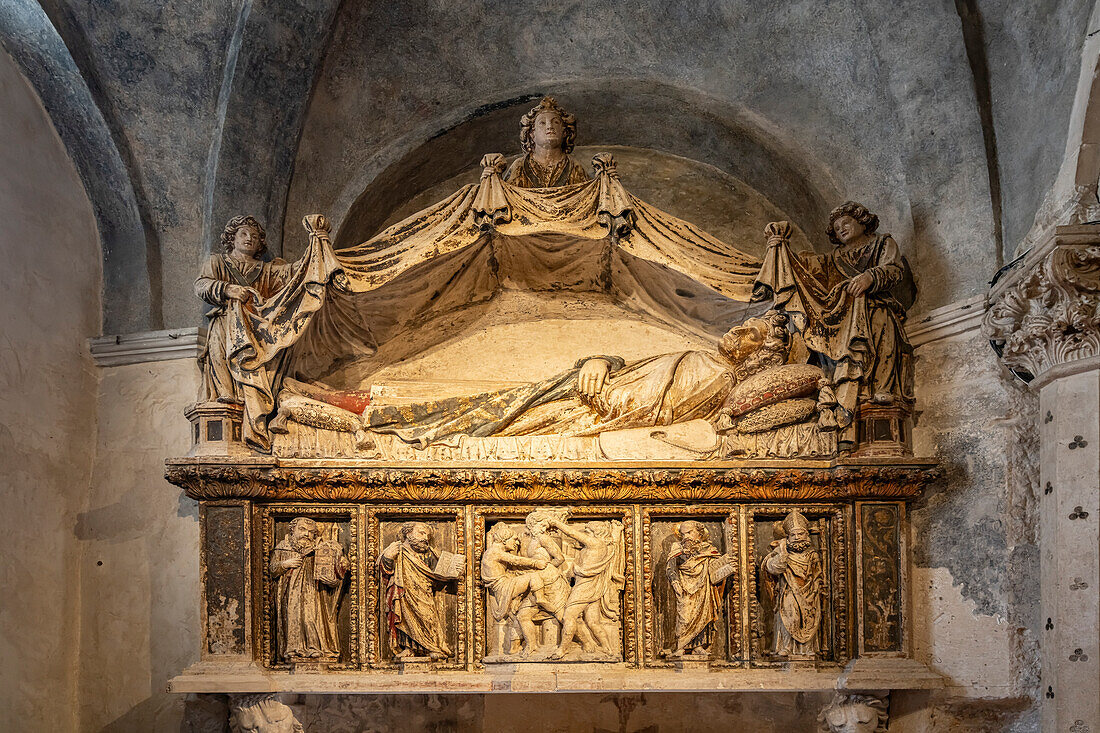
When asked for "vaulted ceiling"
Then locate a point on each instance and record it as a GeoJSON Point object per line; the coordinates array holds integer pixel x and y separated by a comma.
{"type": "Point", "coordinates": [949, 119]}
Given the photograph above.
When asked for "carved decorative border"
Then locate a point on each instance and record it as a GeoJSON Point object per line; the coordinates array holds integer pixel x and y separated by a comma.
{"type": "Point", "coordinates": [272, 480]}
{"type": "Point", "coordinates": [898, 570]}
{"type": "Point", "coordinates": [479, 515]}
{"type": "Point", "coordinates": [339, 513]}
{"type": "Point", "coordinates": [729, 516]}
{"type": "Point", "coordinates": [247, 592]}
{"type": "Point", "coordinates": [838, 558]}
{"type": "Point", "coordinates": [372, 615]}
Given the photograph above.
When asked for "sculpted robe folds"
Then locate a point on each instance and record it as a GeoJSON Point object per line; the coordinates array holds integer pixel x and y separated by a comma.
{"type": "Point", "coordinates": [414, 606]}
{"type": "Point", "coordinates": [659, 390]}
{"type": "Point", "coordinates": [697, 603]}
{"type": "Point", "coordinates": [526, 172]}
{"type": "Point", "coordinates": [306, 604]}
{"type": "Point", "coordinates": [864, 335]}
{"type": "Point", "coordinates": [793, 590]}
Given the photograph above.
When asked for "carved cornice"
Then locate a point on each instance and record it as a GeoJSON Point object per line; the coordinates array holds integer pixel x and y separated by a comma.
{"type": "Point", "coordinates": [1047, 313]}
{"type": "Point", "coordinates": [146, 346]}
{"type": "Point", "coordinates": [275, 480]}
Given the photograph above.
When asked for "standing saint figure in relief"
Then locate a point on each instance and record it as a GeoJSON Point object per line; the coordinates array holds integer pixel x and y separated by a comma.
{"type": "Point", "coordinates": [791, 584]}
{"type": "Point", "coordinates": [236, 274]}
{"type": "Point", "coordinates": [698, 599]}
{"type": "Point", "coordinates": [592, 608]}
{"type": "Point", "coordinates": [310, 569]}
{"type": "Point", "coordinates": [414, 594]}
{"type": "Point", "coordinates": [547, 134]}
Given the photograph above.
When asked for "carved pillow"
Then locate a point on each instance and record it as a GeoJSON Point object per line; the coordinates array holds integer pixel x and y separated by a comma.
{"type": "Point", "coordinates": [318, 414]}
{"type": "Point", "coordinates": [775, 416]}
{"type": "Point", "coordinates": [352, 400]}
{"type": "Point", "coordinates": [773, 386]}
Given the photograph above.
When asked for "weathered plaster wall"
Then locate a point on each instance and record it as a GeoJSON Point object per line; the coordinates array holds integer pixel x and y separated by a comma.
{"type": "Point", "coordinates": [138, 539]}
{"type": "Point", "coordinates": [49, 306]}
{"type": "Point", "coordinates": [1034, 62]}
{"type": "Point", "coordinates": [976, 574]}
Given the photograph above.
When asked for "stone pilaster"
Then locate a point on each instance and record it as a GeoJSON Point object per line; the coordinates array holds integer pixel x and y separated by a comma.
{"type": "Point", "coordinates": [1044, 320]}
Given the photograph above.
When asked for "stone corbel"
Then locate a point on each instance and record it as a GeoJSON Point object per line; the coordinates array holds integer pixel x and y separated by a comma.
{"type": "Point", "coordinates": [1044, 316]}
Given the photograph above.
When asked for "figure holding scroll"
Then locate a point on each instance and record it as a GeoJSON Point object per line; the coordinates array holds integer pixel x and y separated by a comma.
{"type": "Point", "coordinates": [309, 568]}
{"type": "Point", "coordinates": [414, 576]}
{"type": "Point", "coordinates": [697, 573]}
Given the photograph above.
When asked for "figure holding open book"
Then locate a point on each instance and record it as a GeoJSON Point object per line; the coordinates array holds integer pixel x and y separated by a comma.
{"type": "Point", "coordinates": [414, 575]}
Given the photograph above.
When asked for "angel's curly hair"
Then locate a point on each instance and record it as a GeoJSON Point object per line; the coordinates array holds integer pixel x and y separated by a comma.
{"type": "Point", "coordinates": [858, 212]}
{"type": "Point", "coordinates": [568, 121]}
{"type": "Point", "coordinates": [236, 223]}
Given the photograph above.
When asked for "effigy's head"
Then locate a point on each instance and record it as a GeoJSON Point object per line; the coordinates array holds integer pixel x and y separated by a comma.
{"type": "Point", "coordinates": [850, 220]}
{"type": "Point", "coordinates": [502, 534]}
{"type": "Point", "coordinates": [797, 530]}
{"type": "Point", "coordinates": [416, 534]}
{"type": "Point", "coordinates": [303, 532]}
{"type": "Point", "coordinates": [757, 344]}
{"type": "Point", "coordinates": [241, 228]}
{"type": "Point", "coordinates": [548, 125]}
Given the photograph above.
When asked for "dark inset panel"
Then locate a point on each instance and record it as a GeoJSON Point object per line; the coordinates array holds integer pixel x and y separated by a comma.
{"type": "Point", "coordinates": [880, 561]}
{"type": "Point", "coordinates": [225, 563]}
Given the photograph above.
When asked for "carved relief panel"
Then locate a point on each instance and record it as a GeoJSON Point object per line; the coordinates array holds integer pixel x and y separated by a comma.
{"type": "Point", "coordinates": [311, 566]}
{"type": "Point", "coordinates": [554, 584]}
{"type": "Point", "coordinates": [692, 579]}
{"type": "Point", "coordinates": [798, 583]}
{"type": "Point", "coordinates": [879, 552]}
{"type": "Point", "coordinates": [416, 560]}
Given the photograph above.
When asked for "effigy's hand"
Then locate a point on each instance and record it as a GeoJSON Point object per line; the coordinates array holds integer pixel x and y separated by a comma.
{"type": "Point", "coordinates": [859, 284]}
{"type": "Point", "coordinates": [592, 377]}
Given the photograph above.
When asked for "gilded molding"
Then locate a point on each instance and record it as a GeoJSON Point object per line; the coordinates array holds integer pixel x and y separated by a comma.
{"type": "Point", "coordinates": [821, 481]}
{"type": "Point", "coordinates": [1049, 313]}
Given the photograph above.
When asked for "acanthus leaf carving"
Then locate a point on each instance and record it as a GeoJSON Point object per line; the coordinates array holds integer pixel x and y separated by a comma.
{"type": "Point", "coordinates": [1052, 315]}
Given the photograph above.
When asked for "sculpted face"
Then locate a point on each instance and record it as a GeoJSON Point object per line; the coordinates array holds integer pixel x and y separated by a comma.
{"type": "Point", "coordinates": [548, 132]}
{"type": "Point", "coordinates": [301, 537]}
{"type": "Point", "coordinates": [847, 229]}
{"type": "Point", "coordinates": [857, 718]}
{"type": "Point", "coordinates": [246, 242]}
{"type": "Point", "coordinates": [799, 539]}
{"type": "Point", "coordinates": [691, 533]}
{"type": "Point", "coordinates": [741, 341]}
{"type": "Point", "coordinates": [418, 537]}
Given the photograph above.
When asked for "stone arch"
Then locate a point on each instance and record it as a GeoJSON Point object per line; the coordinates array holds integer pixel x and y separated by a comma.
{"type": "Point", "coordinates": [627, 113]}
{"type": "Point", "coordinates": [131, 257]}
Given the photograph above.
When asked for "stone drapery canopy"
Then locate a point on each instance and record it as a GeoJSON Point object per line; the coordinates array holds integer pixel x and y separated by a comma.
{"type": "Point", "coordinates": [486, 237]}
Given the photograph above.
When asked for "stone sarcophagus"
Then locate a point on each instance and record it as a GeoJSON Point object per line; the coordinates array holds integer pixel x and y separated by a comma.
{"type": "Point", "coordinates": [318, 575]}
{"type": "Point", "coordinates": [453, 458]}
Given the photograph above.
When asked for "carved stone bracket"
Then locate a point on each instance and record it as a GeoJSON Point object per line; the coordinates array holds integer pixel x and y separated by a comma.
{"type": "Point", "coordinates": [1047, 313]}
{"type": "Point", "coordinates": [321, 480]}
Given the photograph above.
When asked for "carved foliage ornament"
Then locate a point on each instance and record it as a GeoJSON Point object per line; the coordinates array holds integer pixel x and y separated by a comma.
{"type": "Point", "coordinates": [1050, 317]}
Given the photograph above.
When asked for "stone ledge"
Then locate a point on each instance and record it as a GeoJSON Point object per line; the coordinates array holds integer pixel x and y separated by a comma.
{"type": "Point", "coordinates": [860, 674]}
{"type": "Point", "coordinates": [273, 479]}
{"type": "Point", "coordinates": [146, 346]}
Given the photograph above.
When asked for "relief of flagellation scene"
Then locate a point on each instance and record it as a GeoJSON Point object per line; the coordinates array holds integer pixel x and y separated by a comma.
{"type": "Point", "coordinates": [732, 507]}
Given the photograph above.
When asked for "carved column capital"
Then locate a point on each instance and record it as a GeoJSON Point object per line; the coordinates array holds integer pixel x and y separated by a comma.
{"type": "Point", "coordinates": [1044, 316]}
